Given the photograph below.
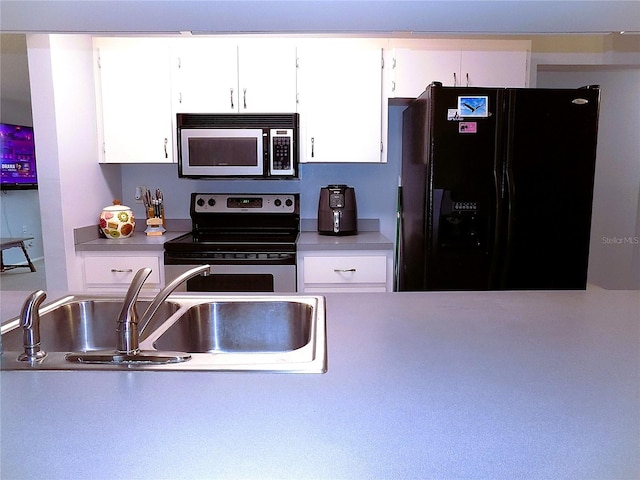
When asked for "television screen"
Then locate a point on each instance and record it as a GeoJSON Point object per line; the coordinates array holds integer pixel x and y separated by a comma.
{"type": "Point", "coordinates": [18, 155]}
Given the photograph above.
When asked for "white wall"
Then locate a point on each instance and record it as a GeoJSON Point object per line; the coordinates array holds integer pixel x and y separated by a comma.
{"type": "Point", "coordinates": [614, 260]}
{"type": "Point", "coordinates": [73, 186]}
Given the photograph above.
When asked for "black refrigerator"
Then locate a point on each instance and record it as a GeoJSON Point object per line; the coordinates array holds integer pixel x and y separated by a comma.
{"type": "Point", "coordinates": [497, 188]}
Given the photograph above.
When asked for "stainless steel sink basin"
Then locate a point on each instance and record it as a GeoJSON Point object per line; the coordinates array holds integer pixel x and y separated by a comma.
{"type": "Point", "coordinates": [227, 326]}
{"type": "Point", "coordinates": [274, 333]}
{"type": "Point", "coordinates": [78, 325]}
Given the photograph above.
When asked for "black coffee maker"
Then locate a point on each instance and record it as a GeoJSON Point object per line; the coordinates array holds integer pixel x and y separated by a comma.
{"type": "Point", "coordinates": [337, 212]}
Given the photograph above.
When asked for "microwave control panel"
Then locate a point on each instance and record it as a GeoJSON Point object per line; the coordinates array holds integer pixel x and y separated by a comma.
{"type": "Point", "coordinates": [281, 152]}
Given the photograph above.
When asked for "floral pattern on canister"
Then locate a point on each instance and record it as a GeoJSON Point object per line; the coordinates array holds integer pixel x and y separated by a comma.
{"type": "Point", "coordinates": [117, 221]}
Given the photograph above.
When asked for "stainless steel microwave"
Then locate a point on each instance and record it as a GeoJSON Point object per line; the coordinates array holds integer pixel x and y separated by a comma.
{"type": "Point", "coordinates": [238, 145]}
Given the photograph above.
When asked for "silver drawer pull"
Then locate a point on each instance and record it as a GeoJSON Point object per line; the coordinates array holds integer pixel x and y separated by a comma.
{"type": "Point", "coordinates": [342, 270]}
{"type": "Point", "coordinates": [118, 270]}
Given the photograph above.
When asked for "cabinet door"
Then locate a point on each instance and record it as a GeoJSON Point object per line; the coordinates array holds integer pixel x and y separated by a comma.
{"type": "Point", "coordinates": [414, 70]}
{"type": "Point", "coordinates": [267, 78]}
{"type": "Point", "coordinates": [108, 271]}
{"type": "Point", "coordinates": [345, 271]}
{"type": "Point", "coordinates": [501, 68]}
{"type": "Point", "coordinates": [205, 77]}
{"type": "Point", "coordinates": [340, 101]}
{"type": "Point", "coordinates": [134, 98]}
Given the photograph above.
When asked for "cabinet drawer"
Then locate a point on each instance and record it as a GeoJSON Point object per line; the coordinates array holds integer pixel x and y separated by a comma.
{"type": "Point", "coordinates": [345, 269]}
{"type": "Point", "coordinates": [108, 270]}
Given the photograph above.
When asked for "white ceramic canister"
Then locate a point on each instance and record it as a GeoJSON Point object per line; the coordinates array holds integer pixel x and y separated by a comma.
{"type": "Point", "coordinates": [117, 221]}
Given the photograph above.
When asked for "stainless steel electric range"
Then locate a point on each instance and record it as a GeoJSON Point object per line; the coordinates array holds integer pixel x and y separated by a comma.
{"type": "Point", "coordinates": [248, 239]}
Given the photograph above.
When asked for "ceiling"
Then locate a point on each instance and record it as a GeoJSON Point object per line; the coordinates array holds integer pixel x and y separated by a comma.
{"type": "Point", "coordinates": [306, 16]}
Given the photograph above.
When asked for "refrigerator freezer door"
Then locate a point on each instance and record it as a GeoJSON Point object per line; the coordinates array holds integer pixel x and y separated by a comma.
{"type": "Point", "coordinates": [451, 185]}
{"type": "Point", "coordinates": [549, 187]}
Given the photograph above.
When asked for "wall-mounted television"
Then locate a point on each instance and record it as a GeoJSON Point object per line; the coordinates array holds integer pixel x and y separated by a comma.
{"type": "Point", "coordinates": [18, 156]}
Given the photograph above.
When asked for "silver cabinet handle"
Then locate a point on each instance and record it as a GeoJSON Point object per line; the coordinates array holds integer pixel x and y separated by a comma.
{"type": "Point", "coordinates": [166, 153]}
{"type": "Point", "coordinates": [232, 107]}
{"type": "Point", "coordinates": [121, 270]}
{"type": "Point", "coordinates": [313, 147]}
{"type": "Point", "coordinates": [343, 270]}
{"type": "Point", "coordinates": [467, 79]}
{"type": "Point", "coordinates": [455, 79]}
{"type": "Point", "coordinates": [244, 98]}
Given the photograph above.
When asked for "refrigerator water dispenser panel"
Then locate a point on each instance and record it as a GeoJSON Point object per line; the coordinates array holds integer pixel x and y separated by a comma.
{"type": "Point", "coordinates": [460, 225]}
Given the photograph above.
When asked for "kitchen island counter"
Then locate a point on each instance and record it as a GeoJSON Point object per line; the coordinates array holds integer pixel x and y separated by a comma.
{"type": "Point", "coordinates": [420, 385]}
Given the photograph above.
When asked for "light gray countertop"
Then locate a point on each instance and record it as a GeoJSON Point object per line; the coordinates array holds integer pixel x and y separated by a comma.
{"type": "Point", "coordinates": [309, 241]}
{"type": "Point", "coordinates": [368, 238]}
{"type": "Point", "coordinates": [420, 385]}
{"type": "Point", "coordinates": [137, 242]}
{"type": "Point", "coordinates": [306, 241]}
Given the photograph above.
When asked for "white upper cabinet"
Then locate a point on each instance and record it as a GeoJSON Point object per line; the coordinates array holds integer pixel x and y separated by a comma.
{"type": "Point", "coordinates": [494, 68]}
{"type": "Point", "coordinates": [267, 77]}
{"type": "Point", "coordinates": [413, 70]}
{"type": "Point", "coordinates": [225, 76]}
{"type": "Point", "coordinates": [417, 63]}
{"type": "Point", "coordinates": [340, 86]}
{"type": "Point", "coordinates": [340, 100]}
{"type": "Point", "coordinates": [205, 76]}
{"type": "Point", "coordinates": [133, 100]}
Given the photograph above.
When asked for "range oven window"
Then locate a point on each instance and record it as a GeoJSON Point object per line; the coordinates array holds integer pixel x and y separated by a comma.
{"type": "Point", "coordinates": [254, 282]}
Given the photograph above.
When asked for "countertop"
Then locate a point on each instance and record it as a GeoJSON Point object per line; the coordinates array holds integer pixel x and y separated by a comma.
{"type": "Point", "coordinates": [420, 385]}
{"type": "Point", "coordinates": [308, 241]}
{"type": "Point", "coordinates": [137, 242]}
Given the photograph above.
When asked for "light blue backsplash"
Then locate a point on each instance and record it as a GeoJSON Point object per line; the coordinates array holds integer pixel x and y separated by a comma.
{"type": "Point", "coordinates": [375, 184]}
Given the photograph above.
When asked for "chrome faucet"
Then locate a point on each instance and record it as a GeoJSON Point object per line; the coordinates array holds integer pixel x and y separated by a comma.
{"type": "Point", "coordinates": [30, 322]}
{"type": "Point", "coordinates": [128, 331]}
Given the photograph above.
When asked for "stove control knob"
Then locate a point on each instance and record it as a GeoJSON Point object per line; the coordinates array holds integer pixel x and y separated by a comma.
{"type": "Point", "coordinates": [288, 202]}
{"type": "Point", "coordinates": [200, 202]}
{"type": "Point", "coordinates": [277, 202]}
{"type": "Point", "coordinates": [211, 202]}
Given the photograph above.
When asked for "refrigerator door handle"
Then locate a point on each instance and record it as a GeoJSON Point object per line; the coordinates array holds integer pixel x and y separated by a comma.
{"type": "Point", "coordinates": [509, 205]}
{"type": "Point", "coordinates": [496, 244]}
{"type": "Point", "coordinates": [438, 194]}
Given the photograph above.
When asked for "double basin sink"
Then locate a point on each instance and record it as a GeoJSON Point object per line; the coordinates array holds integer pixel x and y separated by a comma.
{"type": "Point", "coordinates": [229, 333]}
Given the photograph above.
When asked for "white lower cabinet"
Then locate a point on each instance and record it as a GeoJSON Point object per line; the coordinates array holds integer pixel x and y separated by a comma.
{"type": "Point", "coordinates": [108, 273]}
{"type": "Point", "coordinates": [345, 271]}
